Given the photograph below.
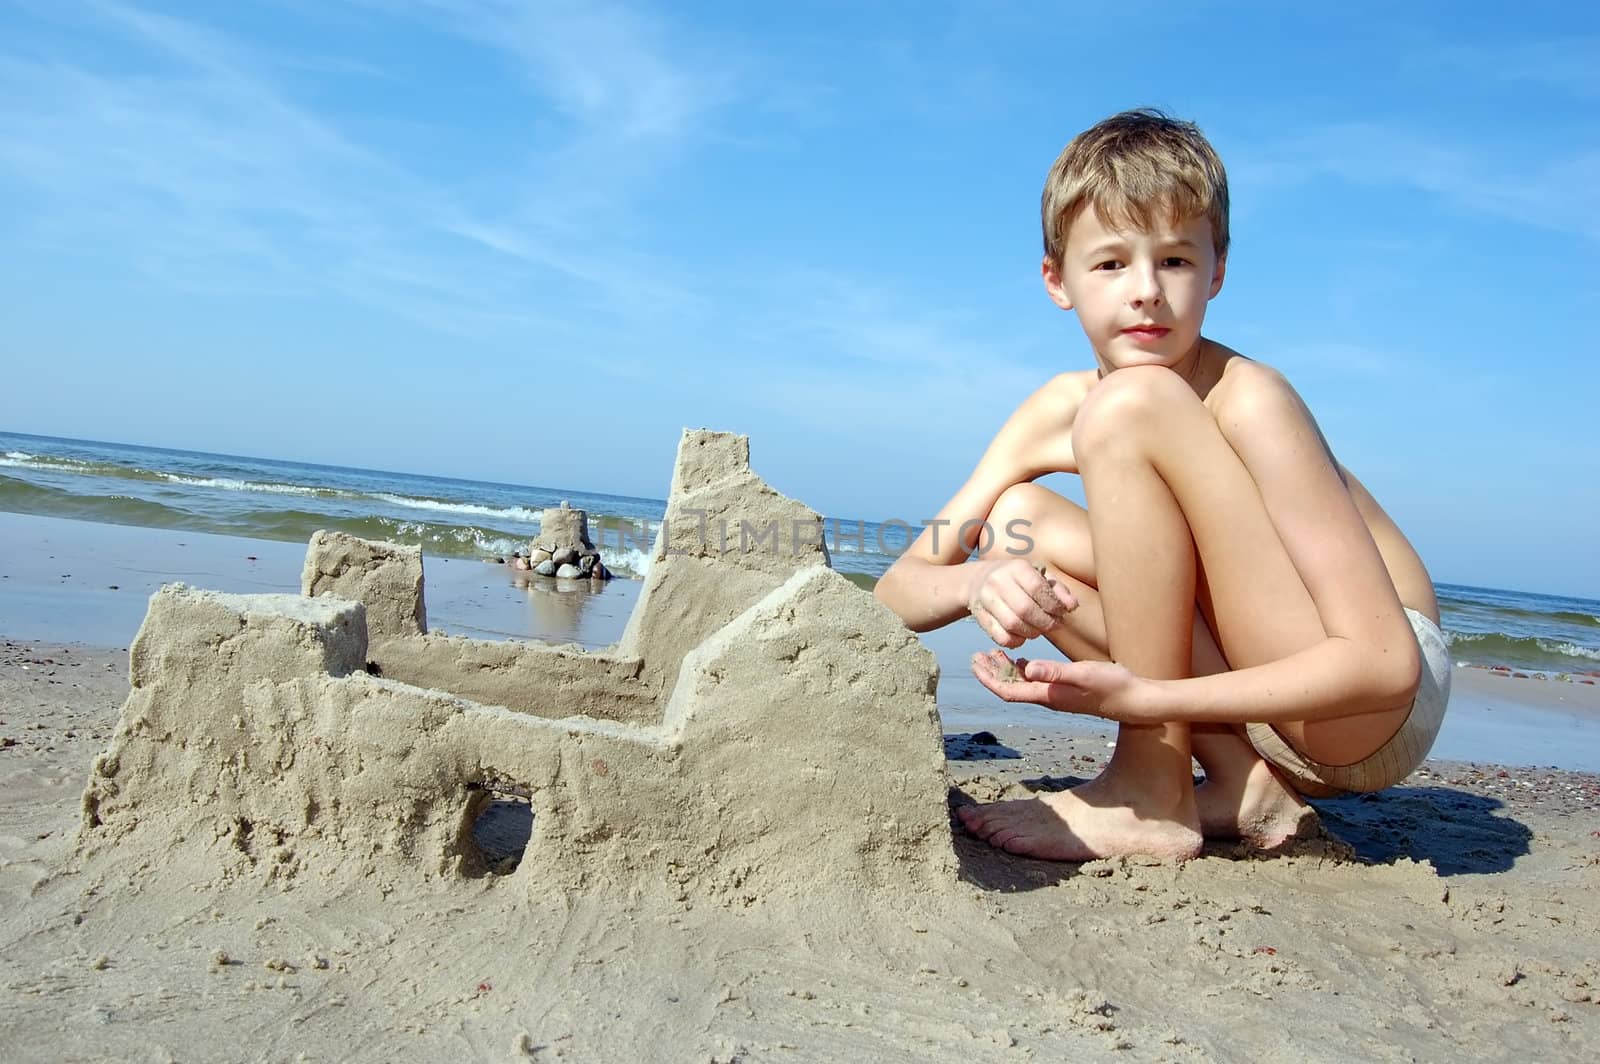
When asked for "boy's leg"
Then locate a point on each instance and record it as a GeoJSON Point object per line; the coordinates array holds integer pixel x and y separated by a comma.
{"type": "Point", "coordinates": [1241, 796]}
{"type": "Point", "coordinates": [1165, 490]}
{"type": "Point", "coordinates": [1144, 801]}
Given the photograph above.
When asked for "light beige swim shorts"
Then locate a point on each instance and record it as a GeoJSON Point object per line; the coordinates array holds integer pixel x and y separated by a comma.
{"type": "Point", "coordinates": [1392, 762]}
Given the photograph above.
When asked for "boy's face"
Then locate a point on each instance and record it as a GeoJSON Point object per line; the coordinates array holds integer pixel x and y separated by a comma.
{"type": "Point", "coordinates": [1140, 295]}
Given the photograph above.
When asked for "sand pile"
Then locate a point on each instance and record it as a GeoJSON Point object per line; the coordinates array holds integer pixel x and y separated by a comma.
{"type": "Point", "coordinates": [763, 729]}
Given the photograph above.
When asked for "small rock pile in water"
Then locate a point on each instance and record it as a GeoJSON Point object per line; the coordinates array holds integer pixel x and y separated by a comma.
{"type": "Point", "coordinates": [562, 548]}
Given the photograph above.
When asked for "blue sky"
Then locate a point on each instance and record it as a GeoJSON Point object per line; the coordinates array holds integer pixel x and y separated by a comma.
{"type": "Point", "coordinates": [530, 242]}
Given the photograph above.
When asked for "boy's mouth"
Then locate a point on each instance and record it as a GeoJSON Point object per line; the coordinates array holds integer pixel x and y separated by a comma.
{"type": "Point", "coordinates": [1147, 333]}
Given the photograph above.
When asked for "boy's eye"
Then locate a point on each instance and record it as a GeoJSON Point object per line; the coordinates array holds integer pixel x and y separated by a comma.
{"type": "Point", "coordinates": [1109, 264]}
{"type": "Point", "coordinates": [1174, 260]}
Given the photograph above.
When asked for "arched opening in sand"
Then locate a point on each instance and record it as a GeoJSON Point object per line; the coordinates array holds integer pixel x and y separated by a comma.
{"type": "Point", "coordinates": [499, 825]}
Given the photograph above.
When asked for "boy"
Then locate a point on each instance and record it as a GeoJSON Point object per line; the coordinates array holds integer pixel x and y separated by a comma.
{"type": "Point", "coordinates": [1231, 592]}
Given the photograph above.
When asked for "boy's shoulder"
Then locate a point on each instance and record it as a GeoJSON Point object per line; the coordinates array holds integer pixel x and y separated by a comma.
{"type": "Point", "coordinates": [1247, 378]}
{"type": "Point", "coordinates": [1249, 392]}
{"type": "Point", "coordinates": [1068, 387]}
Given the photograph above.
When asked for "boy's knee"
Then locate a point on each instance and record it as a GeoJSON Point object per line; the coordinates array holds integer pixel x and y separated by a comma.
{"type": "Point", "coordinates": [1019, 502]}
{"type": "Point", "coordinates": [1126, 402]}
{"type": "Point", "coordinates": [1014, 515]}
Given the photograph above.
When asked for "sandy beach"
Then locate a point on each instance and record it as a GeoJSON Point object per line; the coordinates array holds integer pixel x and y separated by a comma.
{"type": "Point", "coordinates": [1452, 917]}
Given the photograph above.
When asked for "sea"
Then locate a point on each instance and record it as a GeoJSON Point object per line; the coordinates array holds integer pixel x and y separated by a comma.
{"type": "Point", "coordinates": [264, 498]}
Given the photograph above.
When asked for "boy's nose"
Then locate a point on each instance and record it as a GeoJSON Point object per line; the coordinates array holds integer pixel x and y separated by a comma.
{"type": "Point", "coordinates": [1146, 288]}
{"type": "Point", "coordinates": [1147, 293]}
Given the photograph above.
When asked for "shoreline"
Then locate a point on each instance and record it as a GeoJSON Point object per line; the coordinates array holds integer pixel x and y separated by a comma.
{"type": "Point", "coordinates": [75, 582]}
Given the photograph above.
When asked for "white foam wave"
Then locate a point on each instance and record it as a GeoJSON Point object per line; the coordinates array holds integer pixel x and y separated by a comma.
{"type": "Point", "coordinates": [631, 562]}
{"type": "Point", "coordinates": [852, 548]}
{"type": "Point", "coordinates": [25, 460]}
{"type": "Point", "coordinates": [483, 541]}
{"type": "Point", "coordinates": [1464, 642]}
{"type": "Point", "coordinates": [498, 546]}
{"type": "Point", "coordinates": [514, 513]}
{"type": "Point", "coordinates": [230, 484]}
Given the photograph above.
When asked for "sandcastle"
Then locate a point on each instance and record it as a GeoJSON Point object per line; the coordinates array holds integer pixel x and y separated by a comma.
{"type": "Point", "coordinates": [562, 548]}
{"type": "Point", "coordinates": [763, 727]}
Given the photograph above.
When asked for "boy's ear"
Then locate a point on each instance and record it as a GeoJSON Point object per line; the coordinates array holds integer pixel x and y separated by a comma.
{"type": "Point", "coordinates": [1216, 278]}
{"type": "Point", "coordinates": [1051, 272]}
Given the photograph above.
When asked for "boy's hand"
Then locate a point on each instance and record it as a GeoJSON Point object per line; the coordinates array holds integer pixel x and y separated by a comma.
{"type": "Point", "coordinates": [1013, 601]}
{"type": "Point", "coordinates": [1097, 688]}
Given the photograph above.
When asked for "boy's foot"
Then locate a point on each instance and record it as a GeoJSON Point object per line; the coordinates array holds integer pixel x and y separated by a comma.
{"type": "Point", "coordinates": [1081, 825]}
{"type": "Point", "coordinates": [1265, 812]}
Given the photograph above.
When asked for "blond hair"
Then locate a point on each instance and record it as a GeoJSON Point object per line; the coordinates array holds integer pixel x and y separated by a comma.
{"type": "Point", "coordinates": [1129, 166]}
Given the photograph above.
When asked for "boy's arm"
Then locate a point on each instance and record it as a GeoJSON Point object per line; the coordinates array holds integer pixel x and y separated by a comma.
{"type": "Point", "coordinates": [928, 586]}
{"type": "Point", "coordinates": [1295, 688]}
{"type": "Point", "coordinates": [1369, 660]}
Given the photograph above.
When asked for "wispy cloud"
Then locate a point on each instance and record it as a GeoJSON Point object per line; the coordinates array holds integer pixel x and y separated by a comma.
{"type": "Point", "coordinates": [197, 159]}
{"type": "Point", "coordinates": [1568, 63]}
{"type": "Point", "coordinates": [629, 93]}
{"type": "Point", "coordinates": [605, 66]}
{"type": "Point", "coordinates": [1553, 188]}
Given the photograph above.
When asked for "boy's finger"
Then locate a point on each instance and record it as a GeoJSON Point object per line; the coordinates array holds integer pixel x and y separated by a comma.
{"type": "Point", "coordinates": [1051, 597]}
{"type": "Point", "coordinates": [1011, 690]}
{"type": "Point", "coordinates": [1047, 671]}
{"type": "Point", "coordinates": [995, 629]}
{"type": "Point", "coordinates": [1021, 624]}
{"type": "Point", "coordinates": [989, 660]}
{"type": "Point", "coordinates": [1026, 607]}
{"type": "Point", "coordinates": [1066, 598]}
{"type": "Point", "coordinates": [1031, 613]}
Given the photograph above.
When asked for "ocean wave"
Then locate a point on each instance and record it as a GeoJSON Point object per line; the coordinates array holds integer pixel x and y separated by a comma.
{"type": "Point", "coordinates": [117, 471]}
{"type": "Point", "coordinates": [77, 466]}
{"type": "Point", "coordinates": [611, 532]}
{"type": "Point", "coordinates": [358, 497]}
{"type": "Point", "coordinates": [631, 562]}
{"type": "Point", "coordinates": [439, 538]}
{"type": "Point", "coordinates": [1529, 652]}
{"type": "Point", "coordinates": [446, 539]}
{"type": "Point", "coordinates": [1506, 612]}
{"type": "Point", "coordinates": [19, 496]}
{"type": "Point", "coordinates": [520, 514]}
{"type": "Point", "coordinates": [510, 513]}
{"type": "Point", "coordinates": [232, 484]}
